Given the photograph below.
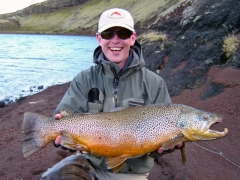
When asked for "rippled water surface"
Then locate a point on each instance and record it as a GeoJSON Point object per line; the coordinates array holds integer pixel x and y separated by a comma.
{"type": "Point", "coordinates": [31, 61]}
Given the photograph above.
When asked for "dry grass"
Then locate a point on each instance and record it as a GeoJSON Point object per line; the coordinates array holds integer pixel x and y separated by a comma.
{"type": "Point", "coordinates": [231, 45]}
{"type": "Point", "coordinates": [152, 36]}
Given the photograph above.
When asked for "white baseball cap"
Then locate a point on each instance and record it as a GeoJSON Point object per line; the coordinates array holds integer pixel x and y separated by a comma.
{"type": "Point", "coordinates": [115, 17]}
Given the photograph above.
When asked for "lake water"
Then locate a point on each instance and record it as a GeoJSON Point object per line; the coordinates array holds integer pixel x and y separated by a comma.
{"type": "Point", "coordinates": [30, 62]}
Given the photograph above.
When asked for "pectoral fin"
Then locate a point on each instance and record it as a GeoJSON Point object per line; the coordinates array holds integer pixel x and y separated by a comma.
{"type": "Point", "coordinates": [172, 142]}
{"type": "Point", "coordinates": [176, 140]}
{"type": "Point", "coordinates": [116, 163]}
{"type": "Point", "coordinates": [183, 153]}
{"type": "Point", "coordinates": [71, 141]}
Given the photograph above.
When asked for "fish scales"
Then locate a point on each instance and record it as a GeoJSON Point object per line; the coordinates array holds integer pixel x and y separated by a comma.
{"type": "Point", "coordinates": [126, 132]}
{"type": "Point", "coordinates": [140, 128]}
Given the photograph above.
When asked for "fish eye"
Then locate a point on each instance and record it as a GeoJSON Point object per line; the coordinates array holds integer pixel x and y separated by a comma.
{"type": "Point", "coordinates": [205, 117]}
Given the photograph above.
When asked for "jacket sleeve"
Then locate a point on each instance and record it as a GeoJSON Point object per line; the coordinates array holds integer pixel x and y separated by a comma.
{"type": "Point", "coordinates": [156, 88]}
{"type": "Point", "coordinates": [163, 94]}
{"type": "Point", "coordinates": [75, 99]}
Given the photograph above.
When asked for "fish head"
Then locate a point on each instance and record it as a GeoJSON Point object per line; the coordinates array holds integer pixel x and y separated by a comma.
{"type": "Point", "coordinates": [195, 124]}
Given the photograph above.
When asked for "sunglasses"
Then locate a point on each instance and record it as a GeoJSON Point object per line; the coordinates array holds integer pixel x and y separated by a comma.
{"type": "Point", "coordinates": [122, 34]}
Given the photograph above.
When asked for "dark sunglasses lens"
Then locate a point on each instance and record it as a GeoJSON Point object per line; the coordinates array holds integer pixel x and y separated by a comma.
{"type": "Point", "coordinates": [124, 34]}
{"type": "Point", "coordinates": [107, 34]}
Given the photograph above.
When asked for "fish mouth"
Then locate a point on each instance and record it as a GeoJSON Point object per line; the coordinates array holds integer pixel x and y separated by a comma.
{"type": "Point", "coordinates": [215, 121]}
{"type": "Point", "coordinates": [212, 134]}
{"type": "Point", "coordinates": [218, 133]}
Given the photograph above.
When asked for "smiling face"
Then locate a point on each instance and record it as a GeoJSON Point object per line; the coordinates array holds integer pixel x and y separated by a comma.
{"type": "Point", "coordinates": [116, 50]}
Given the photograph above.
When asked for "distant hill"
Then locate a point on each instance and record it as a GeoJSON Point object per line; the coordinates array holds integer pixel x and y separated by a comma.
{"type": "Point", "coordinates": [81, 16]}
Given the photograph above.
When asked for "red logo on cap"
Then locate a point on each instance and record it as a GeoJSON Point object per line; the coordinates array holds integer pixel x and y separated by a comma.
{"type": "Point", "coordinates": [116, 14]}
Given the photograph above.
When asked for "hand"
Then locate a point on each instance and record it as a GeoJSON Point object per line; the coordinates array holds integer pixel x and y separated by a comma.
{"type": "Point", "coordinates": [160, 150]}
{"type": "Point", "coordinates": [57, 141]}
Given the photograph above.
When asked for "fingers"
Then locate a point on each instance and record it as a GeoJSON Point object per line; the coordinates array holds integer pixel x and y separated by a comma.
{"type": "Point", "coordinates": [179, 145]}
{"type": "Point", "coordinates": [84, 152]}
{"type": "Point", "coordinates": [58, 140]}
{"type": "Point", "coordinates": [57, 143]}
{"type": "Point", "coordinates": [58, 116]}
{"type": "Point", "coordinates": [160, 150]}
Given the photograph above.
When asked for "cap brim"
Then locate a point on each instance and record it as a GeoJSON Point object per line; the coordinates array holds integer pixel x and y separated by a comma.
{"type": "Point", "coordinates": [103, 28]}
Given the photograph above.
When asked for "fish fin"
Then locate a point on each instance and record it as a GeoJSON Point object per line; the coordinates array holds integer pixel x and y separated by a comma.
{"type": "Point", "coordinates": [116, 169]}
{"type": "Point", "coordinates": [71, 141]}
{"type": "Point", "coordinates": [34, 136]}
{"type": "Point", "coordinates": [118, 109]}
{"type": "Point", "coordinates": [116, 163]}
{"type": "Point", "coordinates": [65, 114]}
{"type": "Point", "coordinates": [183, 153]}
{"type": "Point", "coordinates": [172, 142]}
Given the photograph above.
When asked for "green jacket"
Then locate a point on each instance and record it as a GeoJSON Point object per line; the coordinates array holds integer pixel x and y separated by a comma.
{"type": "Point", "coordinates": [105, 86]}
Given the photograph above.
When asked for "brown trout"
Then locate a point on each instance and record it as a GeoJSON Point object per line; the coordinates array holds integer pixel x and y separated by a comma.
{"type": "Point", "coordinates": [122, 133]}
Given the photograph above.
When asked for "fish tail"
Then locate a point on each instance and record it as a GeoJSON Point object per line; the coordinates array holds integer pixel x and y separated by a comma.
{"type": "Point", "coordinates": [35, 133]}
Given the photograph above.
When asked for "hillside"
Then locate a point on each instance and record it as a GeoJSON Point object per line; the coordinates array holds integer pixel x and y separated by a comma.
{"type": "Point", "coordinates": [80, 16]}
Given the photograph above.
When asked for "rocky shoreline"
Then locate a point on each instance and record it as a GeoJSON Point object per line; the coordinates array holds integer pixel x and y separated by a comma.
{"type": "Point", "coordinates": [32, 90]}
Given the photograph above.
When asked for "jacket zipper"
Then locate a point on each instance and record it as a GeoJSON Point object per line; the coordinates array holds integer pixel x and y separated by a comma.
{"type": "Point", "coordinates": [115, 85]}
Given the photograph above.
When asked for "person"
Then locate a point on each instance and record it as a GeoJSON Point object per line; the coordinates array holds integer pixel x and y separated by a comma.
{"type": "Point", "coordinates": [118, 79]}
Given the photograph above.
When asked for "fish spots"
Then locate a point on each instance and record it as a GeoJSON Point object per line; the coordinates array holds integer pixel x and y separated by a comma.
{"type": "Point", "coordinates": [133, 131]}
{"type": "Point", "coordinates": [181, 125]}
{"type": "Point", "coordinates": [130, 127]}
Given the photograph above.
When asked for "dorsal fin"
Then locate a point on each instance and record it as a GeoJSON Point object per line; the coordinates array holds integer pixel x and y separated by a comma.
{"type": "Point", "coordinates": [117, 109]}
